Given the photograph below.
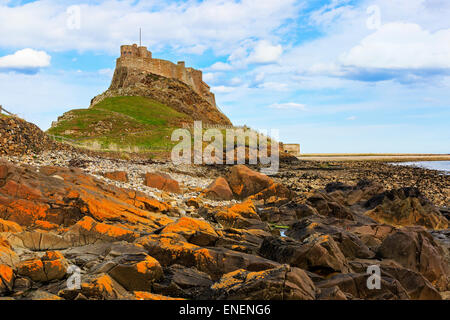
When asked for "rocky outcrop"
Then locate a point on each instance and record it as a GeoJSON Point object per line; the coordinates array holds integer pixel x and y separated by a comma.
{"type": "Point", "coordinates": [405, 207]}
{"type": "Point", "coordinates": [19, 137]}
{"type": "Point", "coordinates": [171, 92]}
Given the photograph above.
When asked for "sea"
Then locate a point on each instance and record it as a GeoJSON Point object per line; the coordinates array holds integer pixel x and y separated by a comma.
{"type": "Point", "coordinates": [443, 166]}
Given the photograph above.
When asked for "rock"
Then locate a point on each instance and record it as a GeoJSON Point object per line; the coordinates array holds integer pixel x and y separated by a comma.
{"type": "Point", "coordinates": [218, 190]}
{"type": "Point", "coordinates": [350, 245]}
{"type": "Point", "coordinates": [142, 295]}
{"type": "Point", "coordinates": [328, 206]}
{"type": "Point", "coordinates": [415, 249]}
{"type": "Point", "coordinates": [193, 230]}
{"type": "Point", "coordinates": [52, 266]}
{"type": "Point", "coordinates": [121, 176]}
{"type": "Point", "coordinates": [320, 255]}
{"type": "Point", "coordinates": [245, 182]}
{"type": "Point", "coordinates": [98, 287]}
{"type": "Point", "coordinates": [7, 255]}
{"type": "Point", "coordinates": [162, 181]}
{"type": "Point", "coordinates": [194, 202]}
{"type": "Point", "coordinates": [6, 278]}
{"type": "Point", "coordinates": [281, 283]}
{"type": "Point", "coordinates": [29, 195]}
{"type": "Point", "coordinates": [43, 295]}
{"type": "Point", "coordinates": [331, 293]}
{"type": "Point", "coordinates": [136, 272]}
{"type": "Point", "coordinates": [171, 248]}
{"type": "Point", "coordinates": [9, 226]}
{"type": "Point", "coordinates": [87, 231]}
{"type": "Point", "coordinates": [415, 284]}
{"type": "Point", "coordinates": [241, 215]}
{"type": "Point", "coordinates": [355, 285]}
{"type": "Point", "coordinates": [405, 207]}
{"type": "Point", "coordinates": [184, 282]}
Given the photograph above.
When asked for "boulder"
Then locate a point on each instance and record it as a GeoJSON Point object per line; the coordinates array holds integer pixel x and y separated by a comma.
{"type": "Point", "coordinates": [405, 207]}
{"type": "Point", "coordinates": [52, 266]}
{"type": "Point", "coordinates": [218, 190]}
{"type": "Point", "coordinates": [415, 249]}
{"type": "Point", "coordinates": [97, 287]}
{"type": "Point", "coordinates": [171, 248]}
{"type": "Point", "coordinates": [354, 285]}
{"type": "Point", "coordinates": [320, 255]}
{"type": "Point", "coordinates": [415, 284]}
{"type": "Point", "coordinates": [245, 182]}
{"type": "Point", "coordinates": [281, 283]}
{"type": "Point", "coordinates": [6, 278]}
{"type": "Point", "coordinates": [328, 206]}
{"type": "Point", "coordinates": [120, 176]}
{"type": "Point", "coordinates": [240, 215]}
{"type": "Point", "coordinates": [136, 272]}
{"type": "Point", "coordinates": [180, 281]}
{"type": "Point", "coordinates": [193, 230]}
{"type": "Point", "coordinates": [162, 181]}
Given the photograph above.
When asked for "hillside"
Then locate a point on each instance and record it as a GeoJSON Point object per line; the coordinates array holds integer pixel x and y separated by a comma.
{"type": "Point", "coordinates": [170, 92]}
{"type": "Point", "coordinates": [133, 122]}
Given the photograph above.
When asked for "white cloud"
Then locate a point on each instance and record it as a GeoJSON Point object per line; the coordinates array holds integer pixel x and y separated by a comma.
{"type": "Point", "coordinates": [187, 25]}
{"type": "Point", "coordinates": [401, 46]}
{"type": "Point", "coordinates": [26, 61]}
{"type": "Point", "coordinates": [265, 52]}
{"type": "Point", "coordinates": [220, 66]}
{"type": "Point", "coordinates": [352, 118]}
{"type": "Point", "coordinates": [288, 105]}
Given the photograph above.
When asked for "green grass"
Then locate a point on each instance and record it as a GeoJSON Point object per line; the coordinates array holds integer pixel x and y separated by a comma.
{"type": "Point", "coordinates": [129, 122]}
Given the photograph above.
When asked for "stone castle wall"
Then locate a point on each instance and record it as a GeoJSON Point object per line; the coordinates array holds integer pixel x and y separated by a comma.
{"type": "Point", "coordinates": [140, 58]}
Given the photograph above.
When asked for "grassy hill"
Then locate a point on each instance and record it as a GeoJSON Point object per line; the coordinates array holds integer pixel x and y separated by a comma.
{"type": "Point", "coordinates": [133, 123]}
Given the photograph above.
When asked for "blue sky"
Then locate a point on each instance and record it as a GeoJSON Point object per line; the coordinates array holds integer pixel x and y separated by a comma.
{"type": "Point", "coordinates": [332, 75]}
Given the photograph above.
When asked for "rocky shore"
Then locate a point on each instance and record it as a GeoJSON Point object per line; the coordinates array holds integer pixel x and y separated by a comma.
{"type": "Point", "coordinates": [76, 225]}
{"type": "Point", "coordinates": [139, 229]}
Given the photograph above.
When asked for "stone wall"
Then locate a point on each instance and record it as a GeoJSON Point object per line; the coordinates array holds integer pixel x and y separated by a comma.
{"type": "Point", "coordinates": [292, 149]}
{"type": "Point", "coordinates": [139, 58]}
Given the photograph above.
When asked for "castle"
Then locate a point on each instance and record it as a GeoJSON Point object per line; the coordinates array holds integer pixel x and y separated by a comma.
{"type": "Point", "coordinates": [140, 59]}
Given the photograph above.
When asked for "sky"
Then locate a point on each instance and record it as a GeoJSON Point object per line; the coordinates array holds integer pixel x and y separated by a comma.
{"type": "Point", "coordinates": [349, 76]}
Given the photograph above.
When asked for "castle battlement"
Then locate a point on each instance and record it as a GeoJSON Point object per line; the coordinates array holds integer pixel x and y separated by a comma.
{"type": "Point", "coordinates": [140, 59]}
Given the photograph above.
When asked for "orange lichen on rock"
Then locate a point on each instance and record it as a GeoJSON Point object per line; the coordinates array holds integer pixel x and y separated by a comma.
{"type": "Point", "coordinates": [6, 278]}
{"type": "Point", "coordinates": [143, 295]}
{"type": "Point", "coordinates": [189, 226]}
{"type": "Point", "coordinates": [51, 266]}
{"type": "Point", "coordinates": [245, 209]}
{"type": "Point", "coordinates": [45, 225]}
{"type": "Point", "coordinates": [9, 226]}
{"type": "Point", "coordinates": [89, 227]}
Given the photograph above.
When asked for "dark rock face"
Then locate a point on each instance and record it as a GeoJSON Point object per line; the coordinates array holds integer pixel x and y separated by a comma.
{"type": "Point", "coordinates": [355, 286]}
{"type": "Point", "coordinates": [321, 255]}
{"type": "Point", "coordinates": [282, 283]}
{"type": "Point", "coordinates": [405, 207]}
{"type": "Point", "coordinates": [415, 249]}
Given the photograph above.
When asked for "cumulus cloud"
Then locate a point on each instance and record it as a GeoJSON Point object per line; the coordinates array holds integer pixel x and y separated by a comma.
{"type": "Point", "coordinates": [401, 46]}
{"type": "Point", "coordinates": [192, 26]}
{"type": "Point", "coordinates": [265, 52]}
{"type": "Point", "coordinates": [27, 61]}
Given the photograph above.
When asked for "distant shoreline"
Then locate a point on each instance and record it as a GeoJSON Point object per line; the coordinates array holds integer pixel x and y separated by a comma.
{"type": "Point", "coordinates": [385, 157]}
